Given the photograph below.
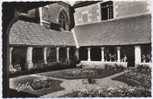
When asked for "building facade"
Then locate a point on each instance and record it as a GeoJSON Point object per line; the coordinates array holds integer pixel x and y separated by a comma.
{"type": "Point", "coordinates": [103, 34]}
{"type": "Point", "coordinates": [41, 37]}
{"type": "Point", "coordinates": [114, 32]}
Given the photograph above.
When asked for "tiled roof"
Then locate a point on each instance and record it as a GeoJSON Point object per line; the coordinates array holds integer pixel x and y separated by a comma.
{"type": "Point", "coordinates": [27, 33]}
{"type": "Point", "coordinates": [134, 30]}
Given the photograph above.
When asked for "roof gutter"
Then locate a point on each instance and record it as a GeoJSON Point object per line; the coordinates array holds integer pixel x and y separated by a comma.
{"type": "Point", "coordinates": [75, 38]}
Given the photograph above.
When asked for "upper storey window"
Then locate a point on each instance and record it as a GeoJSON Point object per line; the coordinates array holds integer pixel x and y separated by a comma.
{"type": "Point", "coordinates": [107, 10]}
{"type": "Point", "coordinates": [63, 20]}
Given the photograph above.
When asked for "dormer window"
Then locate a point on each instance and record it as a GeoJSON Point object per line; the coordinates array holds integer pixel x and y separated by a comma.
{"type": "Point", "coordinates": [63, 20]}
{"type": "Point", "coordinates": [107, 10]}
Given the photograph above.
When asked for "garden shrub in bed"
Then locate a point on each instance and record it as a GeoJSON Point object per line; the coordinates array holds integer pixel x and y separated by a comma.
{"type": "Point", "coordinates": [143, 69]}
{"type": "Point", "coordinates": [38, 85]}
{"type": "Point", "coordinates": [138, 77]}
{"type": "Point", "coordinates": [110, 92]}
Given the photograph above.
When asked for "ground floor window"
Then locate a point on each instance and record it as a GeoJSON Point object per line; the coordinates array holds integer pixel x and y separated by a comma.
{"type": "Point", "coordinates": [73, 58]}
{"type": "Point", "coordinates": [96, 54]}
{"type": "Point", "coordinates": [37, 57]}
{"type": "Point", "coordinates": [124, 53]}
{"type": "Point", "coordinates": [51, 55]}
{"type": "Point", "coordinates": [19, 58]}
{"type": "Point", "coordinates": [62, 55]}
{"type": "Point", "coordinates": [146, 53]}
{"type": "Point", "coordinates": [127, 55]}
{"type": "Point", "coordinates": [110, 54]}
{"type": "Point", "coordinates": [83, 53]}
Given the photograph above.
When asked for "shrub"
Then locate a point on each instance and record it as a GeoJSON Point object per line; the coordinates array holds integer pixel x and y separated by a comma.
{"type": "Point", "coordinates": [143, 69]}
{"type": "Point", "coordinates": [111, 92]}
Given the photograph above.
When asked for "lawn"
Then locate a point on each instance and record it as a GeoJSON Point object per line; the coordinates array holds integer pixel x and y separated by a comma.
{"type": "Point", "coordinates": [37, 85]}
{"type": "Point", "coordinates": [82, 73]}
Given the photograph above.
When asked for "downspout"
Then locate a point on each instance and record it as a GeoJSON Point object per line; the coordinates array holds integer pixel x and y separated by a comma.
{"type": "Point", "coordinates": [41, 16]}
{"type": "Point", "coordinates": [77, 47]}
{"type": "Point", "coordinates": [75, 38]}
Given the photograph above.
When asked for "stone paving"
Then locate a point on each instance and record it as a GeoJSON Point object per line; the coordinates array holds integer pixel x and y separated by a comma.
{"type": "Point", "coordinates": [77, 84]}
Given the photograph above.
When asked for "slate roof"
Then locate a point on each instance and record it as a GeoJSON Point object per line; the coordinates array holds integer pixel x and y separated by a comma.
{"type": "Point", "coordinates": [27, 33]}
{"type": "Point", "coordinates": [134, 30]}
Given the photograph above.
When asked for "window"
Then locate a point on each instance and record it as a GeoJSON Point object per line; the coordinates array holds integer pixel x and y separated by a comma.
{"type": "Point", "coordinates": [107, 10]}
{"type": "Point", "coordinates": [145, 53]}
{"type": "Point", "coordinates": [45, 12]}
{"type": "Point", "coordinates": [63, 20]}
{"type": "Point", "coordinates": [110, 54]}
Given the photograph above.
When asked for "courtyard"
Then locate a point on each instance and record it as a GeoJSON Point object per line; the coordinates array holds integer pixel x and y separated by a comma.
{"type": "Point", "coordinates": [81, 82]}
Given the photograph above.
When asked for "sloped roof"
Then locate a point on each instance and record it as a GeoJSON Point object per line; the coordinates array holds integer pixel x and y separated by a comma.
{"type": "Point", "coordinates": [27, 33]}
{"type": "Point", "coordinates": [134, 30]}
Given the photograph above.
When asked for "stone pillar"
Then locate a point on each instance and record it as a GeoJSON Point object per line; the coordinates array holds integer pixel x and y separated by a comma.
{"type": "Point", "coordinates": [29, 58]}
{"type": "Point", "coordinates": [57, 54]}
{"type": "Point", "coordinates": [137, 55]}
{"type": "Point", "coordinates": [102, 54]}
{"type": "Point", "coordinates": [118, 54]}
{"type": "Point", "coordinates": [45, 55]}
{"type": "Point", "coordinates": [10, 56]}
{"type": "Point", "coordinates": [89, 58]}
{"type": "Point", "coordinates": [68, 54]}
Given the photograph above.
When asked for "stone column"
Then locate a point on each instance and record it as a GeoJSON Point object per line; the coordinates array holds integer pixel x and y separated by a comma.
{"type": "Point", "coordinates": [137, 55]}
{"type": "Point", "coordinates": [57, 54]}
{"type": "Point", "coordinates": [10, 56]}
{"type": "Point", "coordinates": [102, 54]}
{"type": "Point", "coordinates": [68, 54]}
{"type": "Point", "coordinates": [29, 58]}
{"type": "Point", "coordinates": [45, 54]}
{"type": "Point", "coordinates": [118, 54]}
{"type": "Point", "coordinates": [89, 58]}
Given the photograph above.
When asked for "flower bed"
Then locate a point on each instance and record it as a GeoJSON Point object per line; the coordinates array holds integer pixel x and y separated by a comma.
{"type": "Point", "coordinates": [110, 92]}
{"type": "Point", "coordinates": [37, 85]}
{"type": "Point", "coordinates": [84, 73]}
{"type": "Point", "coordinates": [137, 78]}
{"type": "Point", "coordinates": [100, 64]}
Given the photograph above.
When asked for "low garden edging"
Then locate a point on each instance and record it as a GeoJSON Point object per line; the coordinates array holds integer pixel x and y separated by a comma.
{"type": "Point", "coordinates": [99, 64]}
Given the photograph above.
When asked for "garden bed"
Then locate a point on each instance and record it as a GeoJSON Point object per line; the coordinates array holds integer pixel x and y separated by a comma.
{"type": "Point", "coordinates": [139, 78]}
{"type": "Point", "coordinates": [110, 92]}
{"type": "Point", "coordinates": [136, 78]}
{"type": "Point", "coordinates": [83, 73]}
{"type": "Point", "coordinates": [37, 85]}
{"type": "Point", "coordinates": [42, 68]}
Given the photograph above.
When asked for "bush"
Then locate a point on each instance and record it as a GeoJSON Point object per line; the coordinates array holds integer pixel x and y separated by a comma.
{"type": "Point", "coordinates": [143, 69]}
{"type": "Point", "coordinates": [111, 92]}
{"type": "Point", "coordinates": [136, 77]}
